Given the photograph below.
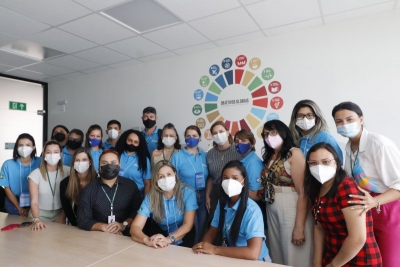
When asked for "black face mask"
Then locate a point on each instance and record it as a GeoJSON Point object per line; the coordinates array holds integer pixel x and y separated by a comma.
{"type": "Point", "coordinates": [59, 137]}
{"type": "Point", "coordinates": [149, 123]}
{"type": "Point", "coordinates": [73, 144]}
{"type": "Point", "coordinates": [109, 171]}
{"type": "Point", "coordinates": [132, 148]}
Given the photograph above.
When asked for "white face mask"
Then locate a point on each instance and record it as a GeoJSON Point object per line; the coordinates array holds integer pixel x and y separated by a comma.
{"type": "Point", "coordinates": [81, 166]}
{"type": "Point", "coordinates": [305, 124]}
{"type": "Point", "coordinates": [232, 187]}
{"type": "Point", "coordinates": [220, 138]}
{"type": "Point", "coordinates": [52, 159]}
{"type": "Point", "coordinates": [323, 173]}
{"type": "Point", "coordinates": [168, 141]}
{"type": "Point", "coordinates": [25, 151]}
{"type": "Point", "coordinates": [349, 130]}
{"type": "Point", "coordinates": [112, 134]}
{"type": "Point", "coordinates": [167, 183]}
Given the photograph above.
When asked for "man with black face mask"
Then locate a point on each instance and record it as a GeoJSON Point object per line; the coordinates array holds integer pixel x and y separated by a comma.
{"type": "Point", "coordinates": [109, 203]}
{"type": "Point", "coordinates": [60, 134]}
{"type": "Point", "coordinates": [75, 140]}
{"type": "Point", "coordinates": [151, 131]}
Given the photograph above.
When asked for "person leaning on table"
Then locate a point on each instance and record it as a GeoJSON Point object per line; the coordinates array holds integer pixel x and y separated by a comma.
{"type": "Point", "coordinates": [109, 203]}
{"type": "Point", "coordinates": [170, 206]}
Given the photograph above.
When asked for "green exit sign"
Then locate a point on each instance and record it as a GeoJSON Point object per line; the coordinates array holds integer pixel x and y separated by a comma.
{"type": "Point", "coordinates": [17, 106]}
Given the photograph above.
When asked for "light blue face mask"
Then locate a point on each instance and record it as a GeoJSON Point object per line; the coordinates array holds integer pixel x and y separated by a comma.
{"type": "Point", "coordinates": [349, 130]}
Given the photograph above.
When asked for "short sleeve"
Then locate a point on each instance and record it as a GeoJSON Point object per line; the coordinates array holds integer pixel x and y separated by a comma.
{"type": "Point", "coordinates": [189, 197]}
{"type": "Point", "coordinates": [35, 176]}
{"type": "Point", "coordinates": [5, 175]}
{"type": "Point", "coordinates": [215, 220]}
{"type": "Point", "coordinates": [254, 172]}
{"type": "Point", "coordinates": [144, 209]}
{"type": "Point", "coordinates": [254, 224]}
{"type": "Point", "coordinates": [346, 188]}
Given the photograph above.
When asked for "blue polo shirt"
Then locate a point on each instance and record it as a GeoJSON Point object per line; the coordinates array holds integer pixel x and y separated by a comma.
{"type": "Point", "coordinates": [13, 174]}
{"type": "Point", "coordinates": [174, 216]}
{"type": "Point", "coordinates": [187, 165]}
{"type": "Point", "coordinates": [130, 169]}
{"type": "Point", "coordinates": [253, 165]}
{"type": "Point", "coordinates": [107, 145]}
{"type": "Point", "coordinates": [96, 158]}
{"type": "Point", "coordinates": [151, 140]}
{"type": "Point", "coordinates": [66, 157]}
{"type": "Point", "coordinates": [306, 142]}
{"type": "Point", "coordinates": [252, 224]}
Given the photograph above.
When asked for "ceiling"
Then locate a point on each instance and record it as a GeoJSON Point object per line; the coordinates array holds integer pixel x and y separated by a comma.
{"type": "Point", "coordinates": [94, 43]}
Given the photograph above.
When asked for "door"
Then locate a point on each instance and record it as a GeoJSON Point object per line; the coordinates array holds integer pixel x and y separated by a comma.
{"type": "Point", "coordinates": [19, 104]}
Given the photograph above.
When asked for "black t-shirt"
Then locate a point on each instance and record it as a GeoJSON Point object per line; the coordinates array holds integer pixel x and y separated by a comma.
{"type": "Point", "coordinates": [66, 203]}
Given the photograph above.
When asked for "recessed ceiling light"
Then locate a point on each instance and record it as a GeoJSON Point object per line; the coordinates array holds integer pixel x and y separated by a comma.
{"type": "Point", "coordinates": [30, 50]}
{"type": "Point", "coordinates": [141, 15]}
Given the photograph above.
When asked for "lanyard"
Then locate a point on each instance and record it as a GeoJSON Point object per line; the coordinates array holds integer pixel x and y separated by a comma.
{"type": "Point", "coordinates": [227, 228]}
{"type": "Point", "coordinates": [351, 163]}
{"type": "Point", "coordinates": [111, 201]}
{"type": "Point", "coordinates": [53, 192]}
{"type": "Point", "coordinates": [202, 168]}
{"type": "Point", "coordinates": [166, 215]}
{"type": "Point", "coordinates": [170, 156]}
{"type": "Point", "coordinates": [20, 173]}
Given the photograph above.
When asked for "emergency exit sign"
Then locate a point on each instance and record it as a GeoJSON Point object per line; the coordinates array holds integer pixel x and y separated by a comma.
{"type": "Point", "coordinates": [17, 106]}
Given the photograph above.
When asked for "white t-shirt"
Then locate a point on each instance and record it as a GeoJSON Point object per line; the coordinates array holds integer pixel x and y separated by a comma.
{"type": "Point", "coordinates": [45, 194]}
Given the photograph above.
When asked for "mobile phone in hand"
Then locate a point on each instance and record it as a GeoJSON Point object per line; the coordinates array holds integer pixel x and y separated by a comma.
{"type": "Point", "coordinates": [25, 224]}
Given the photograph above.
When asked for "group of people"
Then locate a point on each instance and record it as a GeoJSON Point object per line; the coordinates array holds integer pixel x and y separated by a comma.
{"type": "Point", "coordinates": [318, 206]}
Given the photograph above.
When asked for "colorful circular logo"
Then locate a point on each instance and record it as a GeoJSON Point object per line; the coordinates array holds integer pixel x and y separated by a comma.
{"type": "Point", "coordinates": [201, 123]}
{"type": "Point", "coordinates": [204, 81]}
{"type": "Point", "coordinates": [238, 96]}
{"type": "Point", "coordinates": [214, 70]}
{"type": "Point", "coordinates": [272, 116]}
{"type": "Point", "coordinates": [207, 135]}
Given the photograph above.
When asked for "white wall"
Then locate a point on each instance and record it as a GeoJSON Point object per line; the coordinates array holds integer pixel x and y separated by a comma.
{"type": "Point", "coordinates": [356, 60]}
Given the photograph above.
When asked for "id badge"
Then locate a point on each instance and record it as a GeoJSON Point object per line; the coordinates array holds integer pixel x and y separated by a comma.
{"type": "Point", "coordinates": [200, 182]}
{"type": "Point", "coordinates": [111, 219]}
{"type": "Point", "coordinates": [24, 200]}
{"type": "Point", "coordinates": [266, 195]}
{"type": "Point", "coordinates": [121, 172]}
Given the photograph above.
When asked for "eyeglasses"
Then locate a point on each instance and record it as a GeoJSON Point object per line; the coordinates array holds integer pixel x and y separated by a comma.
{"type": "Point", "coordinates": [273, 132]}
{"type": "Point", "coordinates": [325, 162]}
{"type": "Point", "coordinates": [309, 116]}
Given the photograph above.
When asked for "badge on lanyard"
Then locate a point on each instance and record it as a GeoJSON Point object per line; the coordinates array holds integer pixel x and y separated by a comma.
{"type": "Point", "coordinates": [111, 219]}
{"type": "Point", "coordinates": [24, 200]}
{"type": "Point", "coordinates": [200, 182]}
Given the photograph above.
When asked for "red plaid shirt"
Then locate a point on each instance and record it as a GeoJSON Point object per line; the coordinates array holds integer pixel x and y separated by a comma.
{"type": "Point", "coordinates": [332, 220]}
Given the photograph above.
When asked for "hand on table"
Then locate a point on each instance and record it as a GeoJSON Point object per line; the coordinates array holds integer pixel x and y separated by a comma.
{"type": "Point", "coordinates": [204, 247]}
{"type": "Point", "coordinates": [38, 225]}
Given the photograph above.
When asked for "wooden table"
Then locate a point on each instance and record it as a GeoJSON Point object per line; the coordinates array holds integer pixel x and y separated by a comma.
{"type": "Point", "coordinates": [63, 245]}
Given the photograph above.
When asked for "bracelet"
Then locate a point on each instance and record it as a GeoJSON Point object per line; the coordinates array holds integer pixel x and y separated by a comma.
{"type": "Point", "coordinates": [35, 219]}
{"type": "Point", "coordinates": [378, 208]}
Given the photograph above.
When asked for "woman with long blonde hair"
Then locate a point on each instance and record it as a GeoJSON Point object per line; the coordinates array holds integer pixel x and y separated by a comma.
{"type": "Point", "coordinates": [44, 187]}
{"type": "Point", "coordinates": [82, 173]}
{"type": "Point", "coordinates": [171, 208]}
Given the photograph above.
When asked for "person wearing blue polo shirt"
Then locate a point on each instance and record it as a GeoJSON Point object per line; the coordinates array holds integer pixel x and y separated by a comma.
{"type": "Point", "coordinates": [113, 131]}
{"type": "Point", "coordinates": [75, 140]}
{"type": "Point", "coordinates": [171, 205]}
{"type": "Point", "coordinates": [151, 131]}
{"type": "Point", "coordinates": [94, 136]}
{"type": "Point", "coordinates": [14, 173]}
{"type": "Point", "coordinates": [238, 221]}
{"type": "Point", "coordinates": [135, 159]}
{"type": "Point", "coordinates": [191, 165]}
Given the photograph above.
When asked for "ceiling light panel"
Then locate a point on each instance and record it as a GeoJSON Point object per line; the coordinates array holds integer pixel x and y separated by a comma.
{"type": "Point", "coordinates": [193, 9]}
{"type": "Point", "coordinates": [142, 15]}
{"type": "Point", "coordinates": [31, 50]}
{"type": "Point", "coordinates": [53, 12]}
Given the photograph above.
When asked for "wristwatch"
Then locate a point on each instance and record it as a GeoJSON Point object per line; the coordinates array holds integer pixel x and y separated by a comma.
{"type": "Point", "coordinates": [172, 238]}
{"type": "Point", "coordinates": [125, 223]}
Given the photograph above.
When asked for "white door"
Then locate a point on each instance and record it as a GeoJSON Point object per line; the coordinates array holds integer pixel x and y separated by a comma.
{"type": "Point", "coordinates": [19, 103]}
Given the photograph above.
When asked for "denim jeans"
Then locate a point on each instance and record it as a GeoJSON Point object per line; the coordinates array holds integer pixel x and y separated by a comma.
{"type": "Point", "coordinates": [201, 215]}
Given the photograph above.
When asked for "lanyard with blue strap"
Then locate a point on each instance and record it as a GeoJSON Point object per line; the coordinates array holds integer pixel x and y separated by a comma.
{"type": "Point", "coordinates": [199, 176]}
{"type": "Point", "coordinates": [173, 229]}
{"type": "Point", "coordinates": [24, 197]}
{"type": "Point", "coordinates": [227, 229]}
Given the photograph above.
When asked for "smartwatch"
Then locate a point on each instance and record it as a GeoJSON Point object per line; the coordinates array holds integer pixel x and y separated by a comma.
{"type": "Point", "coordinates": [172, 238]}
{"type": "Point", "coordinates": [125, 223]}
